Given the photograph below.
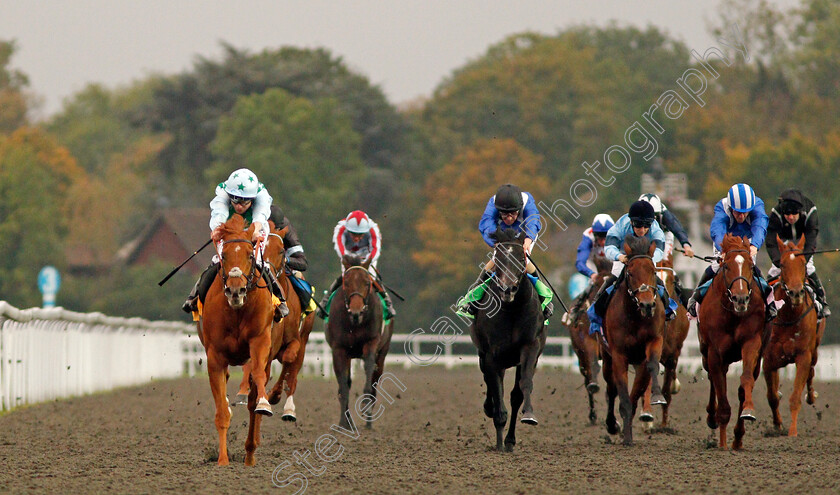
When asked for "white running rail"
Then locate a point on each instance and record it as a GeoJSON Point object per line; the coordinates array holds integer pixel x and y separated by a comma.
{"type": "Point", "coordinates": [51, 353]}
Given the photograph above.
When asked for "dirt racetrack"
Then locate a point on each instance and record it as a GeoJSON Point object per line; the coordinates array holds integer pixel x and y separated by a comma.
{"type": "Point", "coordinates": [433, 439]}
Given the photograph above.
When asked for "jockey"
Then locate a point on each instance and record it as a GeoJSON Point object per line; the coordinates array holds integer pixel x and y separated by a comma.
{"type": "Point", "coordinates": [672, 228]}
{"type": "Point", "coordinates": [296, 261]}
{"type": "Point", "coordinates": [640, 222]}
{"type": "Point", "coordinates": [740, 213]}
{"type": "Point", "coordinates": [795, 215]}
{"type": "Point", "coordinates": [510, 208]}
{"type": "Point", "coordinates": [591, 247]}
{"type": "Point", "coordinates": [358, 234]}
{"type": "Point", "coordinates": [242, 193]}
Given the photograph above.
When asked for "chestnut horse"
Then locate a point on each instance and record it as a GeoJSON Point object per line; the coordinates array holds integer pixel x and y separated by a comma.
{"type": "Point", "coordinates": [676, 331]}
{"type": "Point", "coordinates": [355, 330]}
{"type": "Point", "coordinates": [730, 329]}
{"type": "Point", "coordinates": [634, 326]}
{"type": "Point", "coordinates": [509, 331]}
{"type": "Point", "coordinates": [587, 347]}
{"type": "Point", "coordinates": [795, 334]}
{"type": "Point", "coordinates": [235, 326]}
{"type": "Point", "coordinates": [288, 337]}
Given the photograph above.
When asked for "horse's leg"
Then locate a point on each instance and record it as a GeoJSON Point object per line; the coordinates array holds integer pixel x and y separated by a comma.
{"type": "Point", "coordinates": [771, 378]}
{"type": "Point", "coordinates": [525, 379]}
{"type": "Point", "coordinates": [811, 398]}
{"type": "Point", "coordinates": [260, 347]}
{"type": "Point", "coordinates": [253, 440]}
{"type": "Point", "coordinates": [722, 412]}
{"type": "Point", "coordinates": [646, 417]}
{"type": "Point", "coordinates": [242, 395]}
{"type": "Point", "coordinates": [217, 369]}
{"type": "Point", "coordinates": [591, 350]}
{"type": "Point", "coordinates": [593, 416]}
{"type": "Point", "coordinates": [516, 399]}
{"type": "Point", "coordinates": [619, 375]}
{"type": "Point", "coordinates": [612, 391]}
{"type": "Point", "coordinates": [281, 384]}
{"type": "Point", "coordinates": [341, 367]}
{"type": "Point", "coordinates": [653, 353]}
{"type": "Point", "coordinates": [751, 360]}
{"type": "Point", "coordinates": [494, 407]}
{"type": "Point", "coordinates": [501, 417]}
{"type": "Point", "coordinates": [667, 384]}
{"type": "Point", "coordinates": [370, 368]}
{"type": "Point", "coordinates": [641, 384]}
{"type": "Point", "coordinates": [803, 369]}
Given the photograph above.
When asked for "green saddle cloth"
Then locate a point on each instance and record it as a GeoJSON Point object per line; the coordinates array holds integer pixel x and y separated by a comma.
{"type": "Point", "coordinates": [476, 293]}
{"type": "Point", "coordinates": [386, 315]}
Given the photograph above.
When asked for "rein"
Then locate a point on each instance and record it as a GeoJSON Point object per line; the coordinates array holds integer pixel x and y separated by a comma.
{"type": "Point", "coordinates": [249, 280]}
{"type": "Point", "coordinates": [747, 281]}
{"type": "Point", "coordinates": [644, 287]}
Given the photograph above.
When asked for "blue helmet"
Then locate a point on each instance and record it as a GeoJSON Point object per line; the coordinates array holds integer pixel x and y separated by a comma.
{"type": "Point", "coordinates": [741, 198]}
{"type": "Point", "coordinates": [602, 223]}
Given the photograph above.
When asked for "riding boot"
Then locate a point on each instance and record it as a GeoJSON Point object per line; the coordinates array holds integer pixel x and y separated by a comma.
{"type": "Point", "coordinates": [601, 296]}
{"type": "Point", "coordinates": [469, 307]}
{"type": "Point", "coordinates": [570, 317]}
{"type": "Point", "coordinates": [771, 310]}
{"type": "Point", "coordinates": [820, 292]}
{"type": "Point", "coordinates": [666, 299]}
{"type": "Point", "coordinates": [199, 290]}
{"type": "Point", "coordinates": [323, 310]}
{"type": "Point", "coordinates": [695, 298]}
{"type": "Point", "coordinates": [679, 290]}
{"type": "Point", "coordinates": [281, 311]}
{"type": "Point", "coordinates": [389, 305]}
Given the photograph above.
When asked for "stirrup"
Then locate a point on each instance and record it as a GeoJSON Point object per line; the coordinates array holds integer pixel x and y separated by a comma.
{"type": "Point", "coordinates": [692, 307]}
{"type": "Point", "coordinates": [548, 310]}
{"type": "Point", "coordinates": [771, 312]}
{"type": "Point", "coordinates": [281, 311]}
{"type": "Point", "coordinates": [190, 305]}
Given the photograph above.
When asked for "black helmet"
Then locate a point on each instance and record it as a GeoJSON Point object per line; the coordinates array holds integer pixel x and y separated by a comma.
{"type": "Point", "coordinates": [508, 199]}
{"type": "Point", "coordinates": [642, 212]}
{"type": "Point", "coordinates": [789, 207]}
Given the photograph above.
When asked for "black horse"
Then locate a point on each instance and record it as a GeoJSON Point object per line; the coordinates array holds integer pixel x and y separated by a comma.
{"type": "Point", "coordinates": [509, 331]}
{"type": "Point", "coordinates": [355, 330]}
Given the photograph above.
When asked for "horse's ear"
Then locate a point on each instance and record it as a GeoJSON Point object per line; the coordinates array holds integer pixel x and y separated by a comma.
{"type": "Point", "coordinates": [345, 261]}
{"type": "Point", "coordinates": [652, 248]}
{"type": "Point", "coordinates": [779, 241]}
{"type": "Point", "coordinates": [627, 249]}
{"type": "Point", "coordinates": [250, 230]}
{"type": "Point", "coordinates": [271, 225]}
{"type": "Point", "coordinates": [366, 264]}
{"type": "Point", "coordinates": [801, 244]}
{"type": "Point", "coordinates": [495, 235]}
{"type": "Point", "coordinates": [282, 232]}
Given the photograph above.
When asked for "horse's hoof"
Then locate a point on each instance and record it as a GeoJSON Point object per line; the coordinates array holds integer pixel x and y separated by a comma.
{"type": "Point", "coordinates": [240, 399]}
{"type": "Point", "coordinates": [289, 416]}
{"type": "Point", "coordinates": [646, 417]}
{"type": "Point", "coordinates": [675, 386]}
{"type": "Point", "coordinates": [593, 388]}
{"type": "Point", "coordinates": [509, 447]}
{"type": "Point", "coordinates": [711, 423]}
{"type": "Point", "coordinates": [748, 415]}
{"type": "Point", "coordinates": [529, 419]}
{"type": "Point", "coordinates": [658, 400]}
{"type": "Point", "coordinates": [264, 408]}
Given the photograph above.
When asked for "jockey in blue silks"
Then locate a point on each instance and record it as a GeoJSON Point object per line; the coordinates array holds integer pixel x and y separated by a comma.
{"type": "Point", "coordinates": [674, 231]}
{"type": "Point", "coordinates": [639, 221]}
{"type": "Point", "coordinates": [509, 208]}
{"type": "Point", "coordinates": [740, 213]}
{"type": "Point", "coordinates": [590, 249]}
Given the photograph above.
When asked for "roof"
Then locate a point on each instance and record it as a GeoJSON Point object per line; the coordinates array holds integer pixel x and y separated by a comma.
{"type": "Point", "coordinates": [188, 225]}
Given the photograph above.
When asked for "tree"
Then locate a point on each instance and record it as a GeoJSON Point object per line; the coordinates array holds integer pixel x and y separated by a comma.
{"type": "Point", "coordinates": [13, 101]}
{"type": "Point", "coordinates": [36, 177]}
{"type": "Point", "coordinates": [306, 153]}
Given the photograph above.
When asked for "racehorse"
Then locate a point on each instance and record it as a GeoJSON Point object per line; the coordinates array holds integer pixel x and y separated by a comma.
{"type": "Point", "coordinates": [730, 329]}
{"type": "Point", "coordinates": [795, 334]}
{"type": "Point", "coordinates": [634, 327]}
{"type": "Point", "coordinates": [288, 337]}
{"type": "Point", "coordinates": [676, 331]}
{"type": "Point", "coordinates": [587, 347]}
{"type": "Point", "coordinates": [356, 331]}
{"type": "Point", "coordinates": [235, 326]}
{"type": "Point", "coordinates": [509, 331]}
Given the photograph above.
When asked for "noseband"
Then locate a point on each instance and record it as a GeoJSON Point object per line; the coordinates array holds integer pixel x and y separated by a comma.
{"type": "Point", "coordinates": [729, 285]}
{"type": "Point", "coordinates": [520, 269]}
{"type": "Point", "coordinates": [634, 293]}
{"type": "Point", "coordinates": [784, 286]}
{"type": "Point", "coordinates": [364, 296]}
{"type": "Point", "coordinates": [249, 280]}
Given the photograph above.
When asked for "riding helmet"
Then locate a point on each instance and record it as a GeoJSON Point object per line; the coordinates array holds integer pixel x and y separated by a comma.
{"type": "Point", "coordinates": [508, 199]}
{"type": "Point", "coordinates": [602, 223]}
{"type": "Point", "coordinates": [641, 211]}
{"type": "Point", "coordinates": [357, 222]}
{"type": "Point", "coordinates": [242, 183]}
{"type": "Point", "coordinates": [741, 198]}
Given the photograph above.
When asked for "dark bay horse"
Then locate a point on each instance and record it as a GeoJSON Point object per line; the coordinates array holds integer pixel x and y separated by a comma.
{"type": "Point", "coordinates": [676, 331]}
{"type": "Point", "coordinates": [795, 334]}
{"type": "Point", "coordinates": [355, 331]}
{"type": "Point", "coordinates": [587, 347]}
{"type": "Point", "coordinates": [634, 328]}
{"type": "Point", "coordinates": [235, 327]}
{"type": "Point", "coordinates": [730, 329]}
{"type": "Point", "coordinates": [288, 336]}
{"type": "Point", "coordinates": [509, 331]}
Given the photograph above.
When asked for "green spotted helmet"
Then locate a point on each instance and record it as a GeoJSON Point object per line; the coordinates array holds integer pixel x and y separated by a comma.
{"type": "Point", "coordinates": [242, 183]}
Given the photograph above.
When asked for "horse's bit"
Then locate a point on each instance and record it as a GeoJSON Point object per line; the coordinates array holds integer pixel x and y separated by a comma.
{"type": "Point", "coordinates": [644, 287]}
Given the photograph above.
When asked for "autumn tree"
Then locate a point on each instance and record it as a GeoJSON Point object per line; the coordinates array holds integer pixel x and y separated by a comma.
{"type": "Point", "coordinates": [13, 100]}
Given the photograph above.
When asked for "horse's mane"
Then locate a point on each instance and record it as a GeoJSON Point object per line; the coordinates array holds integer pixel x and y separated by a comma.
{"type": "Point", "coordinates": [505, 235]}
{"type": "Point", "coordinates": [352, 259]}
{"type": "Point", "coordinates": [234, 226]}
{"type": "Point", "coordinates": [731, 242]}
{"type": "Point", "coordinates": [638, 245]}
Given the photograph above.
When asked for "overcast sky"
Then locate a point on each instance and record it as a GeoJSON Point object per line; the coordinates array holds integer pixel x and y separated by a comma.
{"type": "Point", "coordinates": [407, 47]}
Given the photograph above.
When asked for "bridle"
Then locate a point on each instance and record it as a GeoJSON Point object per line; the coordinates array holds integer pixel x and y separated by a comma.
{"type": "Point", "coordinates": [364, 296]}
{"type": "Point", "coordinates": [236, 271]}
{"type": "Point", "coordinates": [782, 283]}
{"type": "Point", "coordinates": [520, 269]}
{"type": "Point", "coordinates": [634, 293]}
{"type": "Point", "coordinates": [275, 271]}
{"type": "Point", "coordinates": [725, 268]}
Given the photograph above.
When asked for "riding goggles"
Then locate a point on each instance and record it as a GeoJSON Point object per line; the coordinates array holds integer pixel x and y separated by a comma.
{"type": "Point", "coordinates": [641, 223]}
{"type": "Point", "coordinates": [238, 200]}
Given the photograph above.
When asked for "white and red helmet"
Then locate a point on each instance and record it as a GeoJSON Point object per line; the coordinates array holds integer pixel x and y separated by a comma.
{"type": "Point", "coordinates": [357, 222]}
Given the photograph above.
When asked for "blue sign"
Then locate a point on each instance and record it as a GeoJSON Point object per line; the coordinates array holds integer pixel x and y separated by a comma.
{"type": "Point", "coordinates": [577, 284]}
{"type": "Point", "coordinates": [49, 282]}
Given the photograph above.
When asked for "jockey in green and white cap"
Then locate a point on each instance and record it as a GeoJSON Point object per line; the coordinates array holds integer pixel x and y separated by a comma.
{"type": "Point", "coordinates": [244, 190]}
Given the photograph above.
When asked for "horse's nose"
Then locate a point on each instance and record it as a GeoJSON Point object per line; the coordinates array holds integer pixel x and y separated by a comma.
{"type": "Point", "coordinates": [648, 308]}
